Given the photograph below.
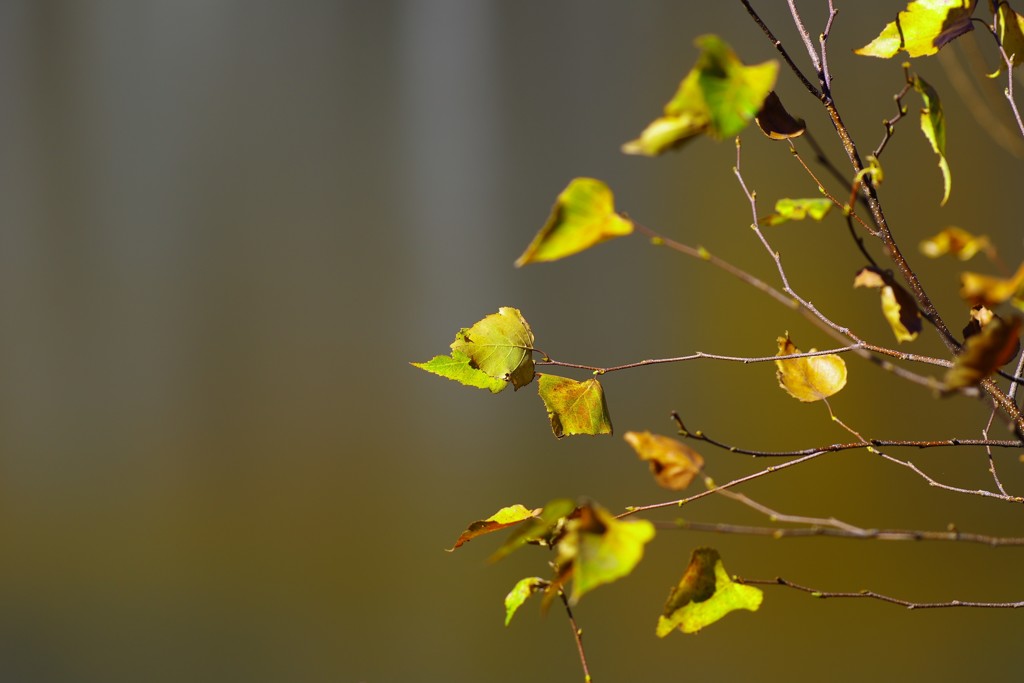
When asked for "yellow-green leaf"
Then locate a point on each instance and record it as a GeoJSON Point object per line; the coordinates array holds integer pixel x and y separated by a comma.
{"type": "Point", "coordinates": [898, 306]}
{"type": "Point", "coordinates": [923, 28]}
{"type": "Point", "coordinates": [720, 96]}
{"type": "Point", "coordinates": [458, 367]}
{"type": "Point", "coordinates": [673, 463]}
{"type": "Point", "coordinates": [811, 378]}
{"type": "Point", "coordinates": [583, 216]}
{"type": "Point", "coordinates": [540, 529]}
{"type": "Point", "coordinates": [574, 407]}
{"type": "Point", "coordinates": [597, 548]}
{"type": "Point", "coordinates": [500, 345]}
{"type": "Point", "coordinates": [933, 125]}
{"type": "Point", "coordinates": [704, 595]}
{"type": "Point", "coordinates": [956, 242]}
{"type": "Point", "coordinates": [1010, 29]}
{"type": "Point", "coordinates": [523, 589]}
{"type": "Point", "coordinates": [777, 123]}
{"type": "Point", "coordinates": [991, 291]}
{"type": "Point", "coordinates": [505, 517]}
{"type": "Point", "coordinates": [984, 353]}
{"type": "Point", "coordinates": [799, 209]}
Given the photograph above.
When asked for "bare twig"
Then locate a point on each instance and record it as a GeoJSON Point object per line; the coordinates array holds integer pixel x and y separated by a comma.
{"type": "Point", "coordinates": [779, 581]}
{"type": "Point", "coordinates": [901, 111]}
{"type": "Point", "coordinates": [782, 51]}
{"type": "Point", "coordinates": [577, 634]}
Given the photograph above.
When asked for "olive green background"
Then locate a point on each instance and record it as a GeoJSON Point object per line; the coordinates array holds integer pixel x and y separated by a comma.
{"type": "Point", "coordinates": [227, 227]}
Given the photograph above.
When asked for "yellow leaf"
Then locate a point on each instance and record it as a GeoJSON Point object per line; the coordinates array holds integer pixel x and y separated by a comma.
{"type": "Point", "coordinates": [956, 242]}
{"type": "Point", "coordinates": [673, 463]}
{"type": "Point", "coordinates": [983, 353]}
{"type": "Point", "coordinates": [501, 519]}
{"type": "Point", "coordinates": [898, 306]}
{"type": "Point", "coordinates": [922, 28]}
{"type": "Point", "coordinates": [986, 290]}
{"type": "Point", "coordinates": [812, 378]}
{"type": "Point", "coordinates": [704, 595]}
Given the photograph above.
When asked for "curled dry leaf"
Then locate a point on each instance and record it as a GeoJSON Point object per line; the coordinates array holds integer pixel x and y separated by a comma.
{"type": "Point", "coordinates": [811, 378]}
{"type": "Point", "coordinates": [898, 306]}
{"type": "Point", "coordinates": [505, 517]}
{"type": "Point", "coordinates": [673, 463]}
{"type": "Point", "coordinates": [777, 123]}
{"type": "Point", "coordinates": [986, 290]}
{"type": "Point", "coordinates": [984, 353]}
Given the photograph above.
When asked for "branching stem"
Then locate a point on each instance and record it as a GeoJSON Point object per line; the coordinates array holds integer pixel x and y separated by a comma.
{"type": "Point", "coordinates": [779, 581]}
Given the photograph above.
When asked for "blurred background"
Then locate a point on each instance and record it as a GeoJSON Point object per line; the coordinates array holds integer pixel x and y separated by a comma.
{"type": "Point", "coordinates": [226, 228]}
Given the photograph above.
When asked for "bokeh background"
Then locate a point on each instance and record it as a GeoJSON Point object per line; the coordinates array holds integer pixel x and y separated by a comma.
{"type": "Point", "coordinates": [226, 227]}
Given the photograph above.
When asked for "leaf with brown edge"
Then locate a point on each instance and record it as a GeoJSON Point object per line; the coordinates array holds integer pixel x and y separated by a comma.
{"type": "Point", "coordinates": [777, 123]}
{"type": "Point", "coordinates": [582, 217]}
{"type": "Point", "coordinates": [922, 28]}
{"type": "Point", "coordinates": [704, 595]}
{"type": "Point", "coordinates": [673, 463]}
{"type": "Point", "coordinates": [981, 317]}
{"type": "Point", "coordinates": [956, 242]}
{"type": "Point", "coordinates": [898, 306]}
{"type": "Point", "coordinates": [597, 548]}
{"type": "Point", "coordinates": [503, 518]}
{"type": "Point", "coordinates": [987, 290]}
{"type": "Point", "coordinates": [812, 378]}
{"type": "Point", "coordinates": [983, 354]}
{"type": "Point", "coordinates": [574, 407]}
{"type": "Point", "coordinates": [541, 529]}
{"type": "Point", "coordinates": [501, 345]}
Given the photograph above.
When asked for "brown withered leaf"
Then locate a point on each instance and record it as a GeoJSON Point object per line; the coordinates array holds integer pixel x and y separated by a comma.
{"type": "Point", "coordinates": [984, 353]}
{"type": "Point", "coordinates": [777, 123]}
{"type": "Point", "coordinates": [673, 463]}
{"type": "Point", "coordinates": [505, 517]}
{"type": "Point", "coordinates": [981, 317]}
{"type": "Point", "coordinates": [898, 306]}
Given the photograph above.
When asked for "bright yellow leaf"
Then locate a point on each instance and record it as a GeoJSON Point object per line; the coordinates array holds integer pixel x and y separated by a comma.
{"type": "Point", "coordinates": [811, 378]}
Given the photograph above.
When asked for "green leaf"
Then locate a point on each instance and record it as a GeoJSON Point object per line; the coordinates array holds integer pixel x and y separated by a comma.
{"type": "Point", "coordinates": [933, 125]}
{"type": "Point", "coordinates": [704, 595]}
{"type": "Point", "coordinates": [523, 589]}
{"type": "Point", "coordinates": [505, 517]}
{"type": "Point", "coordinates": [720, 97]}
{"type": "Point", "coordinates": [459, 368]}
{"type": "Point", "coordinates": [541, 529]}
{"type": "Point", "coordinates": [598, 548]}
{"type": "Point", "coordinates": [574, 407]}
{"type": "Point", "coordinates": [922, 29]}
{"type": "Point", "coordinates": [583, 216]}
{"type": "Point", "coordinates": [501, 345]}
{"type": "Point", "coordinates": [799, 209]}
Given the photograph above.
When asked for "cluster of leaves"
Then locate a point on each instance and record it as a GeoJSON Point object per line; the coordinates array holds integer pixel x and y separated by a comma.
{"type": "Point", "coordinates": [720, 97]}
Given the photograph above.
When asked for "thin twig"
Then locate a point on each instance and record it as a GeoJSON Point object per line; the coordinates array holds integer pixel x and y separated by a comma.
{"type": "Point", "coordinates": [717, 488]}
{"type": "Point", "coordinates": [577, 634]}
{"type": "Point", "coordinates": [828, 195]}
{"type": "Point", "coordinates": [901, 111]}
{"type": "Point", "coordinates": [779, 581]}
{"type": "Point", "coordinates": [782, 51]}
{"type": "Point", "coordinates": [806, 37]}
{"type": "Point", "coordinates": [828, 532]}
{"type": "Point", "coordinates": [945, 487]}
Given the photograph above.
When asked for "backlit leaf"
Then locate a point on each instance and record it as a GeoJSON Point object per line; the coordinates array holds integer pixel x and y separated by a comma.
{"type": "Point", "coordinates": [799, 209]}
{"type": "Point", "coordinates": [500, 345]}
{"type": "Point", "coordinates": [720, 97]}
{"type": "Point", "coordinates": [673, 463]}
{"type": "Point", "coordinates": [777, 123]}
{"type": "Point", "coordinates": [523, 589]}
{"type": "Point", "coordinates": [956, 242]}
{"type": "Point", "coordinates": [459, 368]}
{"type": "Point", "coordinates": [505, 517]}
{"type": "Point", "coordinates": [574, 407]}
{"type": "Point", "coordinates": [923, 28]}
{"type": "Point", "coordinates": [986, 290]}
{"type": "Point", "coordinates": [583, 216]}
{"type": "Point", "coordinates": [898, 306]}
{"type": "Point", "coordinates": [1010, 29]}
{"type": "Point", "coordinates": [597, 548]}
{"type": "Point", "coordinates": [812, 378]}
{"type": "Point", "coordinates": [984, 353]}
{"type": "Point", "coordinates": [540, 529]}
{"type": "Point", "coordinates": [933, 125]}
{"type": "Point", "coordinates": [705, 594]}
